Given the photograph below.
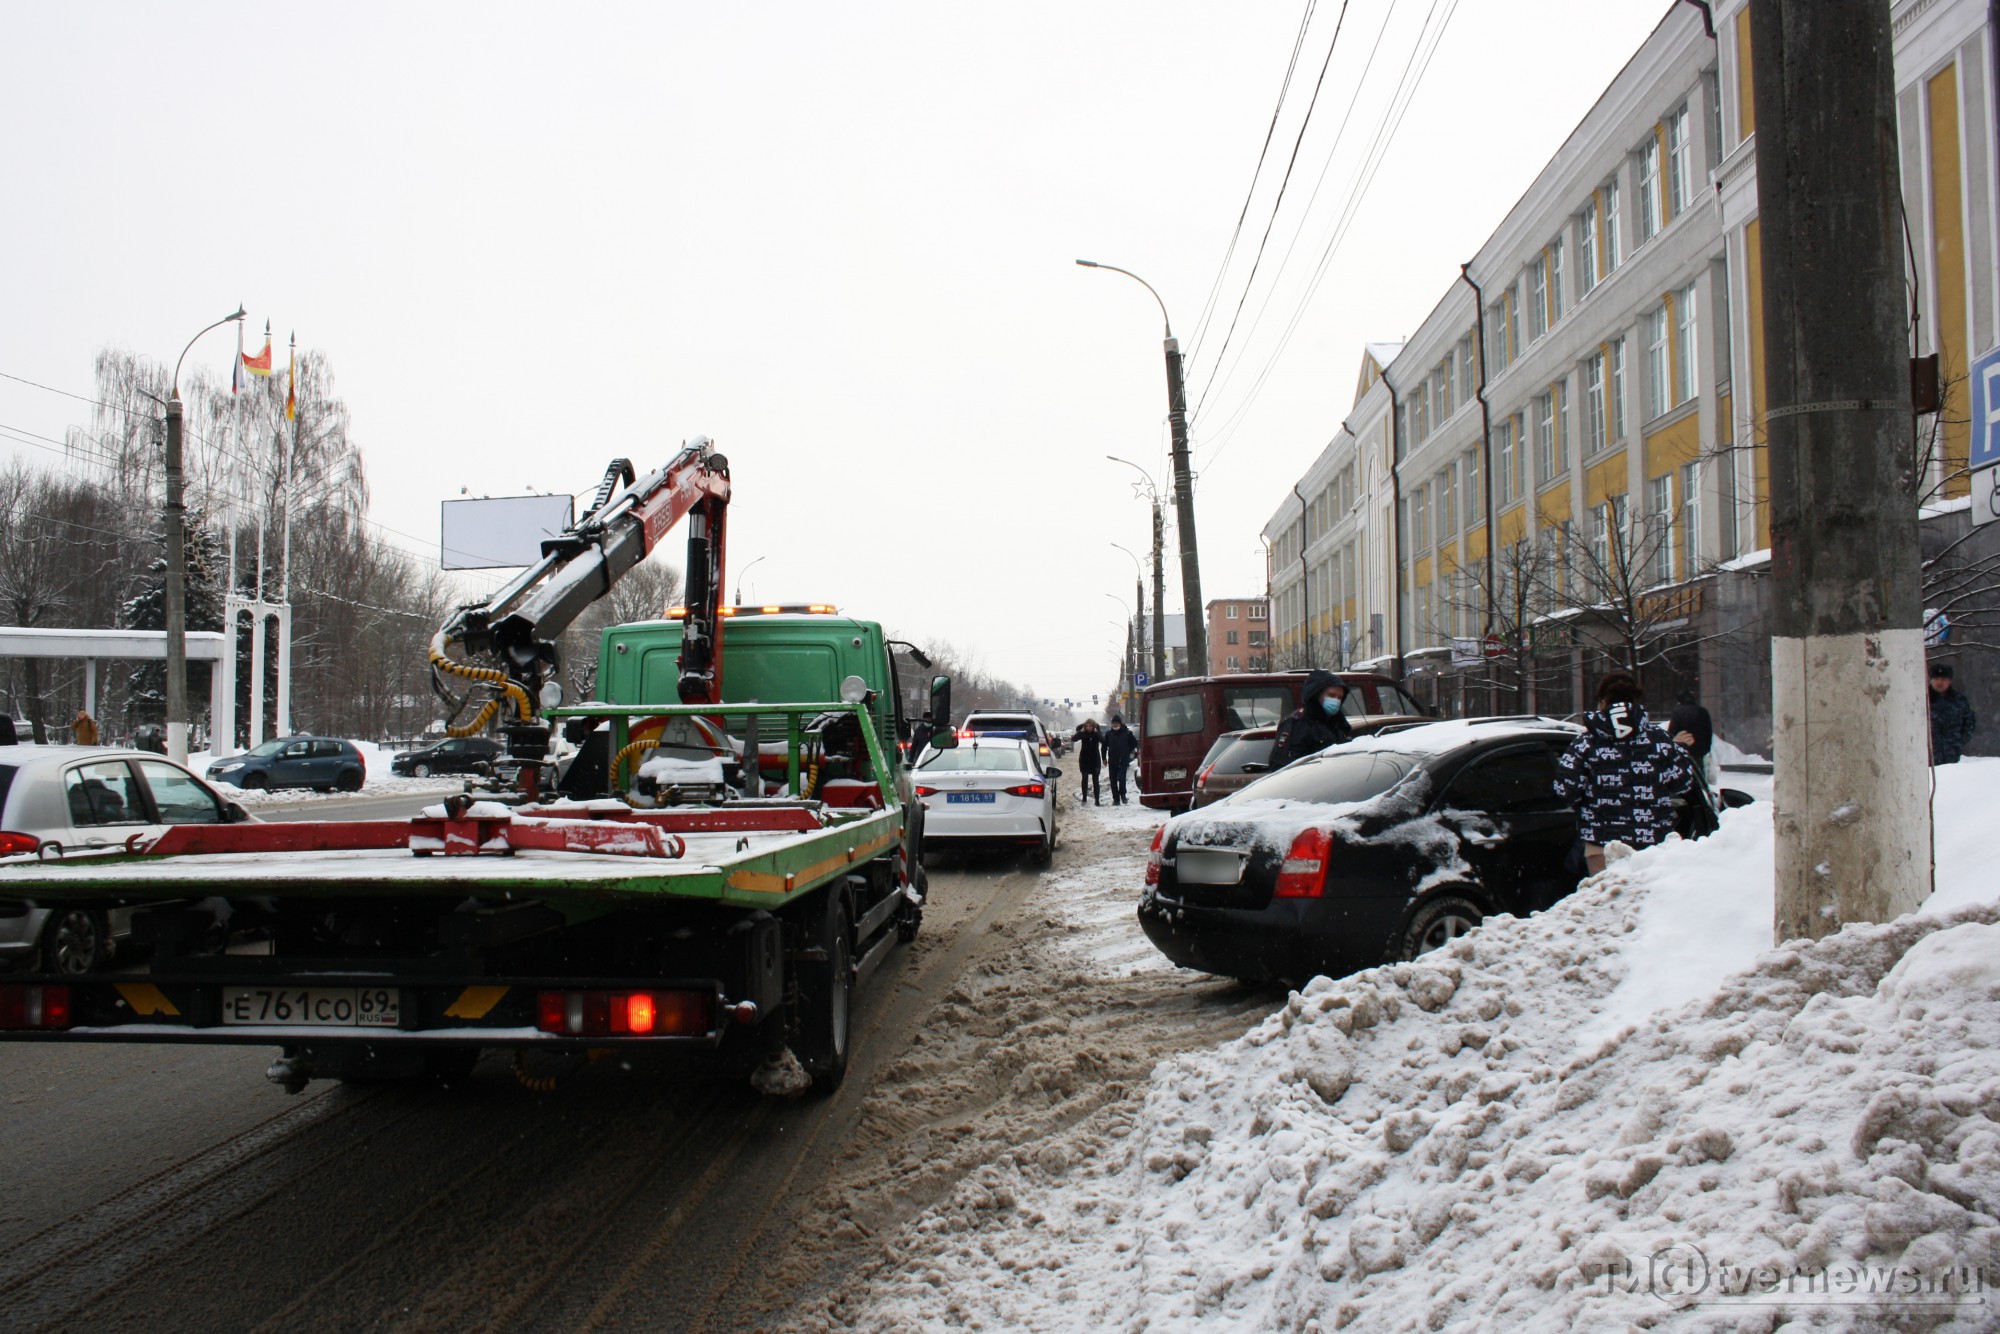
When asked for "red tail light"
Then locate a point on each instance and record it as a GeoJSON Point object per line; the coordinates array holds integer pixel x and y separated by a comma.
{"type": "Point", "coordinates": [1153, 862]}
{"type": "Point", "coordinates": [1025, 790]}
{"type": "Point", "coordinates": [926, 791]}
{"type": "Point", "coordinates": [34, 1007]}
{"type": "Point", "coordinates": [623, 1013]}
{"type": "Point", "coordinates": [13, 843]}
{"type": "Point", "coordinates": [1303, 872]}
{"type": "Point", "coordinates": [1201, 774]}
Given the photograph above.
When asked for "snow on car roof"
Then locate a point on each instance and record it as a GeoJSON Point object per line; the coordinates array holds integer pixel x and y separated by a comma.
{"type": "Point", "coordinates": [1439, 737]}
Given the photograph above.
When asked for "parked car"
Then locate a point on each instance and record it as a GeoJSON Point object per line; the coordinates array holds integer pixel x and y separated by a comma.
{"type": "Point", "coordinates": [455, 755]}
{"type": "Point", "coordinates": [1381, 849]}
{"type": "Point", "coordinates": [1184, 716]}
{"type": "Point", "coordinates": [1023, 725]}
{"type": "Point", "coordinates": [65, 800]}
{"type": "Point", "coordinates": [321, 763]}
{"type": "Point", "coordinates": [989, 789]}
{"type": "Point", "coordinates": [1235, 761]}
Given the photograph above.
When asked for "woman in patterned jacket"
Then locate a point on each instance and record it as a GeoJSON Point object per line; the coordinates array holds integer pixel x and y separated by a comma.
{"type": "Point", "coordinates": [1622, 774]}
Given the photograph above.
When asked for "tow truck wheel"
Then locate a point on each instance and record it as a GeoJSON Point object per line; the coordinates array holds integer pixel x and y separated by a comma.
{"type": "Point", "coordinates": [824, 986]}
{"type": "Point", "coordinates": [73, 942]}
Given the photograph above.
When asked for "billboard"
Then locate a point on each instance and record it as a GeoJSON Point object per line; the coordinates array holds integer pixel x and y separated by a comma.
{"type": "Point", "coordinates": [500, 532]}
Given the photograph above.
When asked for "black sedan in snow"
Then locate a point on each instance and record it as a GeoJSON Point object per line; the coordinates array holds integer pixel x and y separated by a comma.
{"type": "Point", "coordinates": [1381, 849]}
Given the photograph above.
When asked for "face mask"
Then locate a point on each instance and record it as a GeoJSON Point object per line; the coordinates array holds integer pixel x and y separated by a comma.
{"type": "Point", "coordinates": [1328, 704]}
{"type": "Point", "coordinates": [1624, 720]}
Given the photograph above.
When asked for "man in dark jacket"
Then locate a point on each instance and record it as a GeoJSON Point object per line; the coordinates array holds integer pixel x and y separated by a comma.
{"type": "Point", "coordinates": [1952, 719]}
{"type": "Point", "coordinates": [1316, 724]}
{"type": "Point", "coordinates": [1119, 748]}
{"type": "Point", "coordinates": [1622, 774]}
{"type": "Point", "coordinates": [1089, 745]}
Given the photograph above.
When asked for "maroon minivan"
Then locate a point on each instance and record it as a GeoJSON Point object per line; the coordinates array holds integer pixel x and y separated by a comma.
{"type": "Point", "coordinates": [1182, 718]}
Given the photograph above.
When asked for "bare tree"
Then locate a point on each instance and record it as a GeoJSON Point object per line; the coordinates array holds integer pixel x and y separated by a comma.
{"type": "Point", "coordinates": [1519, 585]}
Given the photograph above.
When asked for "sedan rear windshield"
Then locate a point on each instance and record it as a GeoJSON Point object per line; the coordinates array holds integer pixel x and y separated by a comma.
{"type": "Point", "coordinates": [1353, 776]}
{"type": "Point", "coordinates": [1007, 759]}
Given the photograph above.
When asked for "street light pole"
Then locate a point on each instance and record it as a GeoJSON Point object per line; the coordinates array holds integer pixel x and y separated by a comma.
{"type": "Point", "coordinates": [1192, 608]}
{"type": "Point", "coordinates": [1139, 592]}
{"type": "Point", "coordinates": [1159, 572]}
{"type": "Point", "coordinates": [739, 579]}
{"type": "Point", "coordinates": [176, 599]}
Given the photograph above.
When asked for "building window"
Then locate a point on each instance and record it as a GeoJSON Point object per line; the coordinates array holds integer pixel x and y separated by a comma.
{"type": "Point", "coordinates": [1468, 374]}
{"type": "Point", "coordinates": [1420, 522]}
{"type": "Point", "coordinates": [1538, 298]}
{"type": "Point", "coordinates": [1649, 189]}
{"type": "Point", "coordinates": [1690, 519]}
{"type": "Point", "coordinates": [1685, 383]}
{"type": "Point", "coordinates": [1513, 326]}
{"type": "Point", "coordinates": [1231, 614]}
{"type": "Point", "coordinates": [1612, 244]}
{"type": "Point", "coordinates": [1441, 390]}
{"type": "Point", "coordinates": [1545, 433]}
{"type": "Point", "coordinates": [1475, 503]}
{"type": "Point", "coordinates": [1655, 324]}
{"type": "Point", "coordinates": [1560, 392]}
{"type": "Point", "coordinates": [1593, 404]}
{"type": "Point", "coordinates": [1232, 639]}
{"type": "Point", "coordinates": [1505, 463]}
{"type": "Point", "coordinates": [1586, 248]}
{"type": "Point", "coordinates": [1600, 542]}
{"type": "Point", "coordinates": [1232, 665]}
{"type": "Point", "coordinates": [1618, 389]}
{"type": "Point", "coordinates": [1680, 162]}
{"type": "Point", "coordinates": [1557, 301]}
{"type": "Point", "coordinates": [1256, 639]}
{"type": "Point", "coordinates": [1447, 494]}
{"type": "Point", "coordinates": [1402, 430]}
{"type": "Point", "coordinates": [1660, 528]}
{"type": "Point", "coordinates": [1257, 614]}
{"type": "Point", "coordinates": [1496, 338]}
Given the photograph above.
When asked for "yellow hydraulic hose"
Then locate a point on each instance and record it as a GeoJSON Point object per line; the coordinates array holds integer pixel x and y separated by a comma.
{"type": "Point", "coordinates": [487, 676]}
{"type": "Point", "coordinates": [618, 762]}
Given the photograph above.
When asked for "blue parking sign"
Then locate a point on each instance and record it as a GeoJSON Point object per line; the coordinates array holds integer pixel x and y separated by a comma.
{"type": "Point", "coordinates": [1986, 410]}
{"type": "Point", "coordinates": [1140, 680]}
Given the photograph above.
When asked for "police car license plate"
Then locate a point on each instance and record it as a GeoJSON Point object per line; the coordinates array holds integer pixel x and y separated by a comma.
{"type": "Point", "coordinates": [313, 1007]}
{"type": "Point", "coordinates": [962, 798]}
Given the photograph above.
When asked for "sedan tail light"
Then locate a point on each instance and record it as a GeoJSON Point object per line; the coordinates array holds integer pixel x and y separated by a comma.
{"type": "Point", "coordinates": [1024, 790]}
{"type": "Point", "coordinates": [13, 843]}
{"type": "Point", "coordinates": [1153, 862]}
{"type": "Point", "coordinates": [1302, 875]}
{"type": "Point", "coordinates": [923, 791]}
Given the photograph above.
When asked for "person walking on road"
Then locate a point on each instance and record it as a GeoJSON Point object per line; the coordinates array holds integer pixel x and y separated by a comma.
{"type": "Point", "coordinates": [1316, 724]}
{"type": "Point", "coordinates": [83, 729]}
{"type": "Point", "coordinates": [1119, 748]}
{"type": "Point", "coordinates": [1622, 774]}
{"type": "Point", "coordinates": [1089, 759]}
{"type": "Point", "coordinates": [1952, 719]}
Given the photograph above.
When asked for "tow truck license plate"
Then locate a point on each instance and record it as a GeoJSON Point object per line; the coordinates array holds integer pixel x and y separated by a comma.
{"type": "Point", "coordinates": [312, 1007]}
{"type": "Point", "coordinates": [955, 798]}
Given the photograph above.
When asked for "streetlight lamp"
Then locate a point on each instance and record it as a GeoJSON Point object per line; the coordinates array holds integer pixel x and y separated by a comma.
{"type": "Point", "coordinates": [176, 519]}
{"type": "Point", "coordinates": [739, 579]}
{"type": "Point", "coordinates": [1191, 603]}
{"type": "Point", "coordinates": [1159, 571]}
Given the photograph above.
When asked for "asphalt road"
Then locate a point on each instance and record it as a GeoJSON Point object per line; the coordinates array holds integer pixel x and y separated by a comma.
{"type": "Point", "coordinates": [166, 1188]}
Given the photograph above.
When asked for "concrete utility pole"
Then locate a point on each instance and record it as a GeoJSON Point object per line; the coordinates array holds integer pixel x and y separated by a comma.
{"type": "Point", "coordinates": [1159, 595]}
{"type": "Point", "coordinates": [1847, 651]}
{"type": "Point", "coordinates": [1191, 604]}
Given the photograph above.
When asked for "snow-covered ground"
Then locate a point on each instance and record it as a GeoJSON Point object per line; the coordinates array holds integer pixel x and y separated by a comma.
{"type": "Point", "coordinates": [380, 781]}
{"type": "Point", "coordinates": [1628, 1111]}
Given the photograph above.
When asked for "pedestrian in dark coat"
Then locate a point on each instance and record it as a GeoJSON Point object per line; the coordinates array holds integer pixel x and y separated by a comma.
{"type": "Point", "coordinates": [1119, 748]}
{"type": "Point", "coordinates": [1952, 719]}
{"type": "Point", "coordinates": [921, 732]}
{"type": "Point", "coordinates": [1316, 724]}
{"type": "Point", "coordinates": [1691, 728]}
{"type": "Point", "coordinates": [1089, 743]}
{"type": "Point", "coordinates": [1622, 774]}
{"type": "Point", "coordinates": [8, 737]}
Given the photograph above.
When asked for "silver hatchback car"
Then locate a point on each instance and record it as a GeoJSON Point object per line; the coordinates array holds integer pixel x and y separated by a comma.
{"type": "Point", "coordinates": [70, 800]}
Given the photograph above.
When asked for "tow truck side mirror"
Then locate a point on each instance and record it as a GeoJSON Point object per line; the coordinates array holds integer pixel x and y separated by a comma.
{"type": "Point", "coordinates": [944, 738]}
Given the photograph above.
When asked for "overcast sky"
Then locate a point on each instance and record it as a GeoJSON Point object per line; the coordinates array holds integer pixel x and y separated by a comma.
{"type": "Point", "coordinates": [836, 238]}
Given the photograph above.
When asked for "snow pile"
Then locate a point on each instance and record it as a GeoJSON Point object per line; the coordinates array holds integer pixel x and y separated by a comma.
{"type": "Point", "coordinates": [1428, 1146]}
{"type": "Point", "coordinates": [674, 771]}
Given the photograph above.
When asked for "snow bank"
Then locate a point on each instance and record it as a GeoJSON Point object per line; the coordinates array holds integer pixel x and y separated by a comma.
{"type": "Point", "coordinates": [1746, 1138]}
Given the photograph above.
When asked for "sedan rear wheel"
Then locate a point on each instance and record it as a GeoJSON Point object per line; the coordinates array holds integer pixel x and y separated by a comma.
{"type": "Point", "coordinates": [1437, 924]}
{"type": "Point", "coordinates": [74, 942]}
{"type": "Point", "coordinates": [350, 780]}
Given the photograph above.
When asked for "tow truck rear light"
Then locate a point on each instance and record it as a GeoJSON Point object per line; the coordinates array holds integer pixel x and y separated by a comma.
{"type": "Point", "coordinates": [13, 843]}
{"type": "Point", "coordinates": [33, 1006]}
{"type": "Point", "coordinates": [1153, 862]}
{"type": "Point", "coordinates": [1302, 875]}
{"type": "Point", "coordinates": [1025, 790]}
{"type": "Point", "coordinates": [594, 1014]}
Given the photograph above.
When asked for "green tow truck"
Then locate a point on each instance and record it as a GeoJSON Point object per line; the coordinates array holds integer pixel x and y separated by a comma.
{"type": "Point", "coordinates": [716, 873]}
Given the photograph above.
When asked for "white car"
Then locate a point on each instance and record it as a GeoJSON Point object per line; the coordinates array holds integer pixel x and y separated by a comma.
{"type": "Point", "coordinates": [989, 789]}
{"type": "Point", "coordinates": [1026, 726]}
{"type": "Point", "coordinates": [66, 800]}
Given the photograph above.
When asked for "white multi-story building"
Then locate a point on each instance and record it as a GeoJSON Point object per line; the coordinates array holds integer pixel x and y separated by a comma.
{"type": "Point", "coordinates": [1564, 463]}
